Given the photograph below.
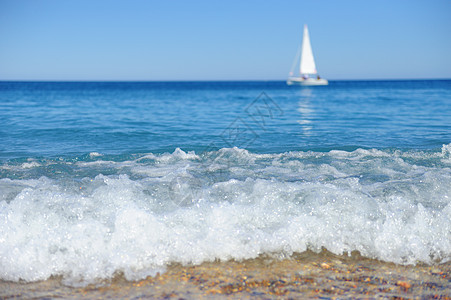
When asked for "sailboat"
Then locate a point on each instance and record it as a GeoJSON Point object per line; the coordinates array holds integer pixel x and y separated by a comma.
{"type": "Point", "coordinates": [308, 73]}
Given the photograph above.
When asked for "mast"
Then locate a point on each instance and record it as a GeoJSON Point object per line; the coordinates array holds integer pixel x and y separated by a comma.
{"type": "Point", "coordinates": [307, 65]}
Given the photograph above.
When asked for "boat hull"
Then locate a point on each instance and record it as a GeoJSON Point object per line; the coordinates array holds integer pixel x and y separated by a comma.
{"type": "Point", "coordinates": [306, 82]}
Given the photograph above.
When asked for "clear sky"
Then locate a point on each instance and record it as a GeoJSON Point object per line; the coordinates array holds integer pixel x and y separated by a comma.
{"type": "Point", "coordinates": [222, 40]}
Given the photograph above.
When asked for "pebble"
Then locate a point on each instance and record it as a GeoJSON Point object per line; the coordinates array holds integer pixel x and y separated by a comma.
{"type": "Point", "coordinates": [322, 275]}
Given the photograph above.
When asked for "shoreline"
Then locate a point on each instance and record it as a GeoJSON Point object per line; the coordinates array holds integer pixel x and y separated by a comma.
{"type": "Point", "coordinates": [302, 275]}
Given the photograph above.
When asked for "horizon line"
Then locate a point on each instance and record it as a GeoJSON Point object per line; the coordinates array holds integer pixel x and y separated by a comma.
{"type": "Point", "coordinates": [207, 80]}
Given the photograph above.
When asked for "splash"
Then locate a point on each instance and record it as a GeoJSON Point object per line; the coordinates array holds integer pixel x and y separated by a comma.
{"type": "Point", "coordinates": [88, 219]}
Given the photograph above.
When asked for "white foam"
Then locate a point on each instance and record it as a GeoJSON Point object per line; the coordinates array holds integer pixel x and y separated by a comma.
{"type": "Point", "coordinates": [94, 154]}
{"type": "Point", "coordinates": [189, 208]}
{"type": "Point", "coordinates": [30, 164]}
{"type": "Point", "coordinates": [178, 154]}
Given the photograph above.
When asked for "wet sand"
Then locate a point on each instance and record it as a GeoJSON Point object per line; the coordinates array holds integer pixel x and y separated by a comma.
{"type": "Point", "coordinates": [302, 276]}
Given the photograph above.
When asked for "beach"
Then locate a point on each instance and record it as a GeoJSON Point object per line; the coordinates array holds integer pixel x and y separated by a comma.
{"type": "Point", "coordinates": [162, 150]}
{"type": "Point", "coordinates": [306, 275]}
{"type": "Point", "coordinates": [225, 190]}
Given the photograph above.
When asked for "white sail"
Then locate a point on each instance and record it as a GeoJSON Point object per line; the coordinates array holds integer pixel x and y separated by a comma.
{"type": "Point", "coordinates": [308, 74]}
{"type": "Point", "coordinates": [307, 61]}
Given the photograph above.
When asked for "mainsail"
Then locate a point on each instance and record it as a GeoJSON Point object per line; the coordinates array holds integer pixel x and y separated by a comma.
{"type": "Point", "coordinates": [307, 61]}
{"type": "Point", "coordinates": [308, 74]}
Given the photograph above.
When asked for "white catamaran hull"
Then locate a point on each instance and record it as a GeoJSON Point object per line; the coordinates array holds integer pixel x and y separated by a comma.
{"type": "Point", "coordinates": [306, 82]}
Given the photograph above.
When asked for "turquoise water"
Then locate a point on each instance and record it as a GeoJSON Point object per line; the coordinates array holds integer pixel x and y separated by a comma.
{"type": "Point", "coordinates": [105, 177]}
{"type": "Point", "coordinates": [67, 119]}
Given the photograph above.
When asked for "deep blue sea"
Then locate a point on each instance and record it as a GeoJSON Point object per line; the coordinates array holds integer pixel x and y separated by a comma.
{"type": "Point", "coordinates": [98, 178]}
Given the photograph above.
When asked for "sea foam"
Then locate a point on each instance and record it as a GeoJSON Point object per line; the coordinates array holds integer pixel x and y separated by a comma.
{"type": "Point", "coordinates": [91, 219]}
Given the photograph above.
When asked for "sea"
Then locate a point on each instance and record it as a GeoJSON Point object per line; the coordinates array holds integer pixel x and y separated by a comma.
{"type": "Point", "coordinates": [106, 178]}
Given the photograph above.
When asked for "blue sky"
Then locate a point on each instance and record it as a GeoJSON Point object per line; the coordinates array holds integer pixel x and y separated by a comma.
{"type": "Point", "coordinates": [222, 40]}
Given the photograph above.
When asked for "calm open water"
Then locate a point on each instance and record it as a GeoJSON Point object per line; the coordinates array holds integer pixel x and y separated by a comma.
{"type": "Point", "coordinates": [61, 119]}
{"type": "Point", "coordinates": [105, 177]}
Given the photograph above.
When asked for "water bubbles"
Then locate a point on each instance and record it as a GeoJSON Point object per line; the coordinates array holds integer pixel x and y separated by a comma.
{"type": "Point", "coordinates": [137, 216]}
